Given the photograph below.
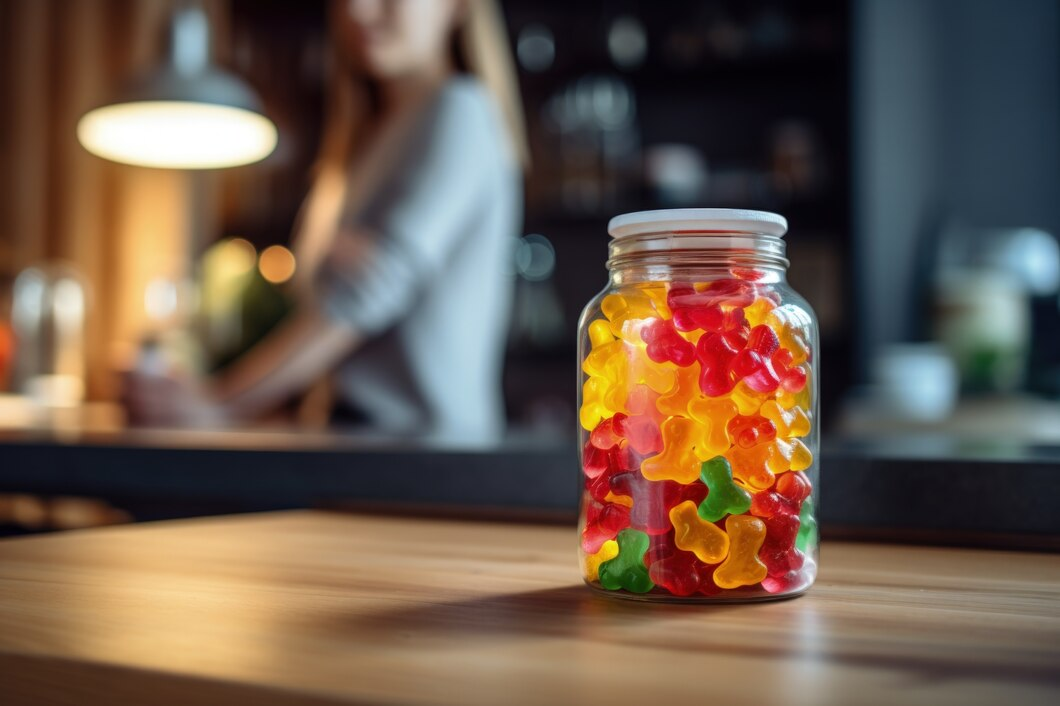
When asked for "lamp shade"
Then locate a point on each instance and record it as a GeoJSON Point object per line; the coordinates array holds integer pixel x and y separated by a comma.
{"type": "Point", "coordinates": [187, 114]}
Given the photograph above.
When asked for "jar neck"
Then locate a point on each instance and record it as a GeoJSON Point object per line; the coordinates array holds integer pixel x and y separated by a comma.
{"type": "Point", "coordinates": [695, 255]}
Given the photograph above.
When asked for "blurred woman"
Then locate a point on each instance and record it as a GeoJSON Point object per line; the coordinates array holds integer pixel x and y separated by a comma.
{"type": "Point", "coordinates": [404, 241]}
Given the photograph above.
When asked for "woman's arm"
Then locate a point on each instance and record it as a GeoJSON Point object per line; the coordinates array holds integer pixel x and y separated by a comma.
{"type": "Point", "coordinates": [292, 357]}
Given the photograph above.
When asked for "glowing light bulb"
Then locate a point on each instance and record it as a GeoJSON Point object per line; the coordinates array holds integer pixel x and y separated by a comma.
{"type": "Point", "coordinates": [177, 134]}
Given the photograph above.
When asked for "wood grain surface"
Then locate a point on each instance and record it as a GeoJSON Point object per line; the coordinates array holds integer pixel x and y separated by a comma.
{"type": "Point", "coordinates": [310, 607]}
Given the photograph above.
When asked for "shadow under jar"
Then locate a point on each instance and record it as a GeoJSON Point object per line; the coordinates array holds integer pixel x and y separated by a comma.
{"type": "Point", "coordinates": [698, 411]}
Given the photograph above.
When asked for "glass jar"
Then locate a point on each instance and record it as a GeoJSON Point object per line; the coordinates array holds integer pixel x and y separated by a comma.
{"type": "Point", "coordinates": [698, 411]}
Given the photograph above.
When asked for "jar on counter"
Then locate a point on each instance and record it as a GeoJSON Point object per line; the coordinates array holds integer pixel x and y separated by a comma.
{"type": "Point", "coordinates": [698, 411]}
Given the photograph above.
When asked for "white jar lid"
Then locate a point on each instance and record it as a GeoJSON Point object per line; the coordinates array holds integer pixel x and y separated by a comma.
{"type": "Point", "coordinates": [728, 220]}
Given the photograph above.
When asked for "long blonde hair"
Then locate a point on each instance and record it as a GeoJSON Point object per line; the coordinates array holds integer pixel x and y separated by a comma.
{"type": "Point", "coordinates": [479, 47]}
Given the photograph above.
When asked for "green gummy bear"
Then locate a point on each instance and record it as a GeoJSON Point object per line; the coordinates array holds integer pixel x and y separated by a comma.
{"type": "Point", "coordinates": [725, 497]}
{"type": "Point", "coordinates": [807, 536]}
{"type": "Point", "coordinates": [627, 570]}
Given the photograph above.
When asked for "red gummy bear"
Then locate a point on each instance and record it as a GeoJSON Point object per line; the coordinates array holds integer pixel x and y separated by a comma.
{"type": "Point", "coordinates": [602, 522]}
{"type": "Point", "coordinates": [716, 352]}
{"type": "Point", "coordinates": [693, 310]}
{"type": "Point", "coordinates": [653, 500]}
{"type": "Point", "coordinates": [606, 434]}
{"type": "Point", "coordinates": [778, 551]}
{"type": "Point", "coordinates": [795, 487]}
{"type": "Point", "coordinates": [792, 379]}
{"type": "Point", "coordinates": [679, 572]}
{"type": "Point", "coordinates": [594, 460]}
{"type": "Point", "coordinates": [749, 431]}
{"type": "Point", "coordinates": [622, 458]}
{"type": "Point", "coordinates": [642, 432]}
{"type": "Point", "coordinates": [665, 344]}
{"type": "Point", "coordinates": [754, 364]}
{"type": "Point", "coordinates": [785, 498]}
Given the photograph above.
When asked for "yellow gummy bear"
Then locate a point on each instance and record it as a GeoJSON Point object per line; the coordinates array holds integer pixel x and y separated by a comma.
{"type": "Point", "coordinates": [657, 294]}
{"type": "Point", "coordinates": [789, 422]}
{"type": "Point", "coordinates": [594, 408]}
{"type": "Point", "coordinates": [791, 455]}
{"type": "Point", "coordinates": [677, 462]}
{"type": "Point", "coordinates": [713, 415]}
{"type": "Point", "coordinates": [792, 326]}
{"type": "Point", "coordinates": [694, 534]}
{"type": "Point", "coordinates": [686, 387]}
{"type": "Point", "coordinates": [747, 401]}
{"type": "Point", "coordinates": [751, 467]}
{"type": "Point", "coordinates": [742, 567]}
{"type": "Point", "coordinates": [660, 377]}
{"type": "Point", "coordinates": [604, 393]}
{"type": "Point", "coordinates": [591, 562]}
{"type": "Point", "coordinates": [758, 310]}
{"type": "Point", "coordinates": [624, 310]}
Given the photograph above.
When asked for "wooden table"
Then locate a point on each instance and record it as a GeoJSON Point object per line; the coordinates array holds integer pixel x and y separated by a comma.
{"type": "Point", "coordinates": [312, 607]}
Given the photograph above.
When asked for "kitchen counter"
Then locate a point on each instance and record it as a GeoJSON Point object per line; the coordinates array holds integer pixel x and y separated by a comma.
{"type": "Point", "coordinates": [326, 608]}
{"type": "Point", "coordinates": [915, 487]}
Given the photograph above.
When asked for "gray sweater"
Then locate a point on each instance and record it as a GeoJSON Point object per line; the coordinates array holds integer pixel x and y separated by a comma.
{"type": "Point", "coordinates": [433, 295]}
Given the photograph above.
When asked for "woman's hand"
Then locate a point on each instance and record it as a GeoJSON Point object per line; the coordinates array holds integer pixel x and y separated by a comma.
{"type": "Point", "coordinates": [166, 400]}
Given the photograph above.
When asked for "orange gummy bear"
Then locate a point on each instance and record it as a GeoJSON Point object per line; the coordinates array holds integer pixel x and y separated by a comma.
{"type": "Point", "coordinates": [677, 462]}
{"type": "Point", "coordinates": [694, 534]}
{"type": "Point", "coordinates": [713, 415]}
{"type": "Point", "coordinates": [742, 567]}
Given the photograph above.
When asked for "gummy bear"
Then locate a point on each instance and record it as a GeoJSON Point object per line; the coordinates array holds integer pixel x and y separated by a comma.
{"type": "Point", "coordinates": [591, 562]}
{"type": "Point", "coordinates": [795, 487]}
{"type": "Point", "coordinates": [624, 310]}
{"type": "Point", "coordinates": [642, 370]}
{"type": "Point", "coordinates": [594, 408]}
{"type": "Point", "coordinates": [789, 454]}
{"type": "Point", "coordinates": [724, 496]}
{"type": "Point", "coordinates": [606, 357]}
{"type": "Point", "coordinates": [657, 294]}
{"type": "Point", "coordinates": [594, 460]}
{"type": "Point", "coordinates": [621, 459]}
{"type": "Point", "coordinates": [791, 582]}
{"type": "Point", "coordinates": [606, 434]}
{"type": "Point", "coordinates": [792, 326]}
{"type": "Point", "coordinates": [692, 310]}
{"type": "Point", "coordinates": [642, 432]}
{"type": "Point", "coordinates": [792, 377]}
{"type": "Point", "coordinates": [808, 527]}
{"type": "Point", "coordinates": [679, 572]}
{"type": "Point", "coordinates": [754, 364]}
{"type": "Point", "coordinates": [742, 567]}
{"type": "Point", "coordinates": [758, 310]}
{"type": "Point", "coordinates": [713, 416]}
{"type": "Point", "coordinates": [602, 522]}
{"type": "Point", "coordinates": [677, 462]}
{"type": "Point", "coordinates": [751, 466]}
{"type": "Point", "coordinates": [786, 497]}
{"type": "Point", "coordinates": [666, 345]}
{"type": "Point", "coordinates": [788, 422]}
{"type": "Point", "coordinates": [694, 534]}
{"type": "Point", "coordinates": [748, 431]}
{"type": "Point", "coordinates": [641, 402]}
{"type": "Point", "coordinates": [716, 352]}
{"type": "Point", "coordinates": [802, 398]}
{"type": "Point", "coordinates": [652, 500]}
{"type": "Point", "coordinates": [747, 401]}
{"type": "Point", "coordinates": [627, 570]}
{"type": "Point", "coordinates": [686, 387]}
{"type": "Point", "coordinates": [778, 552]}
